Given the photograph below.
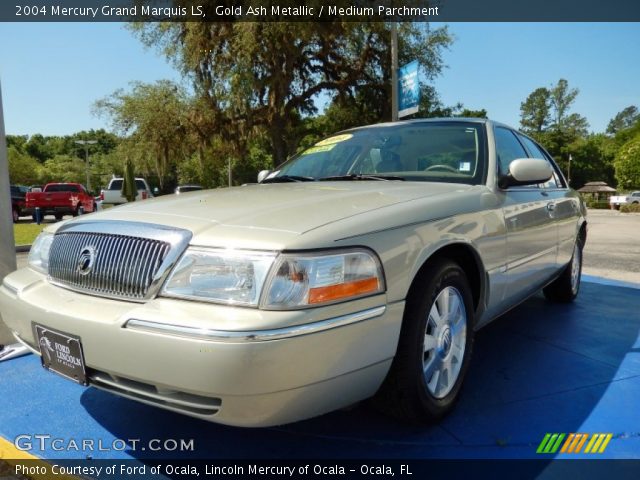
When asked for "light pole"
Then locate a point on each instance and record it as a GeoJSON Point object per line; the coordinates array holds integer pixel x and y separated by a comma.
{"type": "Point", "coordinates": [86, 144]}
{"type": "Point", "coordinates": [569, 173]}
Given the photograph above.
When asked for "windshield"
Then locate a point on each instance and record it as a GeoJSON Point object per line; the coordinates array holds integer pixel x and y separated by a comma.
{"type": "Point", "coordinates": [428, 151]}
{"type": "Point", "coordinates": [117, 185]}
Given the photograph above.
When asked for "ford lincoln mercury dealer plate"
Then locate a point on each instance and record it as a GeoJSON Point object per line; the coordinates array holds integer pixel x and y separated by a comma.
{"type": "Point", "coordinates": [61, 353]}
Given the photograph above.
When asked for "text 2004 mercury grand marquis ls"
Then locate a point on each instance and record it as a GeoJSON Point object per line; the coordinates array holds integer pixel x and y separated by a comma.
{"type": "Point", "coordinates": [361, 267]}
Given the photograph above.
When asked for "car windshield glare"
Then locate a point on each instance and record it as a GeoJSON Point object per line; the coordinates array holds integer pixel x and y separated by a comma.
{"type": "Point", "coordinates": [417, 151]}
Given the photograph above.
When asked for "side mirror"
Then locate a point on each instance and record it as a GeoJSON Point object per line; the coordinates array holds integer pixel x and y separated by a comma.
{"type": "Point", "coordinates": [263, 174]}
{"type": "Point", "coordinates": [526, 171]}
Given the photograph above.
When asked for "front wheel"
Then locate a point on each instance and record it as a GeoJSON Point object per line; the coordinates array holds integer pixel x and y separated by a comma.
{"type": "Point", "coordinates": [434, 347]}
{"type": "Point", "coordinates": [566, 287]}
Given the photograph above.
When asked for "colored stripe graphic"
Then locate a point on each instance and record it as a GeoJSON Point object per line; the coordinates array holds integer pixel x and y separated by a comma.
{"type": "Point", "coordinates": [574, 442]}
{"type": "Point", "coordinates": [550, 443]}
{"type": "Point", "coordinates": [598, 443]}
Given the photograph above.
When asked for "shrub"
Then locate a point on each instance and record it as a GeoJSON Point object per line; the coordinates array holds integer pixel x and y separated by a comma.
{"type": "Point", "coordinates": [630, 208]}
{"type": "Point", "coordinates": [599, 204]}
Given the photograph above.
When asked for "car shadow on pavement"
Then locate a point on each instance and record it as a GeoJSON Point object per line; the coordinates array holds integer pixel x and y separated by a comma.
{"type": "Point", "coordinates": [541, 368]}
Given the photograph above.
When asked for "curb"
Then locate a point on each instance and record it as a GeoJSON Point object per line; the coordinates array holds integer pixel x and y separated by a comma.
{"type": "Point", "coordinates": [22, 248]}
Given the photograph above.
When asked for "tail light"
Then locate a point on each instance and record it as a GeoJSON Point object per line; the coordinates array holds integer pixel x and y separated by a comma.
{"type": "Point", "coordinates": [101, 195]}
{"type": "Point", "coordinates": [144, 195]}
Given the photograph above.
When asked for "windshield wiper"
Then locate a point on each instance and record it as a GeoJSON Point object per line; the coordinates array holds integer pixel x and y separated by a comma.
{"type": "Point", "coordinates": [288, 178]}
{"type": "Point", "coordinates": [360, 176]}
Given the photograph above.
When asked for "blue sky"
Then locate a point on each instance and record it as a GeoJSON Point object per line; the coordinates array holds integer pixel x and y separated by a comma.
{"type": "Point", "coordinates": [51, 73]}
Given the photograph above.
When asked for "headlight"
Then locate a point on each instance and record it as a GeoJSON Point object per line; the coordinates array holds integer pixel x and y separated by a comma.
{"type": "Point", "coordinates": [306, 280]}
{"type": "Point", "coordinates": [39, 253]}
{"type": "Point", "coordinates": [275, 282]}
{"type": "Point", "coordinates": [224, 276]}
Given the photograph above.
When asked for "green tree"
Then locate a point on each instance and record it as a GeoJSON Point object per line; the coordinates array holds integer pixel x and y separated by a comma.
{"type": "Point", "coordinates": [535, 112]}
{"type": "Point", "coordinates": [623, 120]}
{"type": "Point", "coordinates": [153, 118]}
{"type": "Point", "coordinates": [562, 98]}
{"type": "Point", "coordinates": [268, 75]}
{"type": "Point", "coordinates": [592, 160]}
{"type": "Point", "coordinates": [23, 169]}
{"type": "Point", "coordinates": [482, 113]}
{"type": "Point", "coordinates": [627, 165]}
{"type": "Point", "coordinates": [63, 168]}
{"type": "Point", "coordinates": [38, 148]}
{"type": "Point", "coordinates": [545, 115]}
{"type": "Point", "coordinates": [19, 142]}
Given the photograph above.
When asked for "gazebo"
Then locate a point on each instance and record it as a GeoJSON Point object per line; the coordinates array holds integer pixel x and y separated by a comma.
{"type": "Point", "coordinates": [598, 191]}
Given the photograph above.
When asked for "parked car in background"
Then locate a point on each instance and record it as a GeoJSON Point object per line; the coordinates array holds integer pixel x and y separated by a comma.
{"type": "Point", "coordinates": [18, 194]}
{"type": "Point", "coordinates": [112, 195]}
{"type": "Point", "coordinates": [187, 188]}
{"type": "Point", "coordinates": [361, 267]}
{"type": "Point", "coordinates": [59, 199]}
{"type": "Point", "coordinates": [617, 200]}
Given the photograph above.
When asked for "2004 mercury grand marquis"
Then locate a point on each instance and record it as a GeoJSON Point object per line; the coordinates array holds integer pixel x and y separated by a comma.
{"type": "Point", "coordinates": [361, 267]}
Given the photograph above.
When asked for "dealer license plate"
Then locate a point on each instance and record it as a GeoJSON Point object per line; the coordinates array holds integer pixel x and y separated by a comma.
{"type": "Point", "coordinates": [61, 353]}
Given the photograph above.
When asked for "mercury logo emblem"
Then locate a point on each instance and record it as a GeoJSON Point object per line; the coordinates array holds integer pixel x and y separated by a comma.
{"type": "Point", "coordinates": [86, 260]}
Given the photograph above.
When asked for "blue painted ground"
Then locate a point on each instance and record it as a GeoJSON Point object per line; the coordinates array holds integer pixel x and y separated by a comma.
{"type": "Point", "coordinates": [541, 368]}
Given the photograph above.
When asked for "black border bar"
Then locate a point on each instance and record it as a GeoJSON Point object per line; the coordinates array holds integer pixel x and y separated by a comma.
{"type": "Point", "coordinates": [320, 10]}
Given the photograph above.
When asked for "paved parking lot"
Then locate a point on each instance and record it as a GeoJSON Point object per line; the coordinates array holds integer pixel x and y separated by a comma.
{"type": "Point", "coordinates": [613, 245]}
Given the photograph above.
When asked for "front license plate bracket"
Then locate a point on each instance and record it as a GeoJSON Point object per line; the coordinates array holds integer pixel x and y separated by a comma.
{"type": "Point", "coordinates": [61, 353]}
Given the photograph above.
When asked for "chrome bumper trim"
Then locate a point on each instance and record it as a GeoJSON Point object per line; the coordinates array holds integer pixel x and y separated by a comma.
{"type": "Point", "coordinates": [257, 335]}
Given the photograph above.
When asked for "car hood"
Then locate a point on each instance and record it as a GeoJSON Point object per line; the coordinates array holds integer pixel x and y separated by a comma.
{"type": "Point", "coordinates": [272, 211]}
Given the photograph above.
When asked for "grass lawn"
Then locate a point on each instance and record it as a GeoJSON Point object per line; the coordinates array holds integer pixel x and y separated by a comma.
{"type": "Point", "coordinates": [26, 233]}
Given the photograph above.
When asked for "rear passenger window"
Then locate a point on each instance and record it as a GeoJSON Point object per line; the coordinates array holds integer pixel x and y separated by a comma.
{"type": "Point", "coordinates": [532, 147]}
{"type": "Point", "coordinates": [507, 148]}
{"type": "Point", "coordinates": [536, 152]}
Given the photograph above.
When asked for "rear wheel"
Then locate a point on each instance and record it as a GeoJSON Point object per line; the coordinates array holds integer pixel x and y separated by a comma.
{"type": "Point", "coordinates": [566, 287]}
{"type": "Point", "coordinates": [434, 348]}
{"type": "Point", "coordinates": [58, 216]}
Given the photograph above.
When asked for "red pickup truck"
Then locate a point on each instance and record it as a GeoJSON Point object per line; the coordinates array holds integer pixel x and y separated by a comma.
{"type": "Point", "coordinates": [59, 199]}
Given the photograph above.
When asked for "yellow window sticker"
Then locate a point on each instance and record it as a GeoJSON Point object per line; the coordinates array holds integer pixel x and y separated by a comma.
{"type": "Point", "coordinates": [334, 140]}
{"type": "Point", "coordinates": [318, 148]}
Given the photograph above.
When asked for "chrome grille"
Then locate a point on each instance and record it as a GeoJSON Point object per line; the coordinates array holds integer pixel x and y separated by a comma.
{"type": "Point", "coordinates": [122, 266]}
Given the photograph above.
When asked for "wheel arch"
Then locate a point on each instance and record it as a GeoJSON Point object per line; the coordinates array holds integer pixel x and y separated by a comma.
{"type": "Point", "coordinates": [582, 233]}
{"type": "Point", "coordinates": [467, 257]}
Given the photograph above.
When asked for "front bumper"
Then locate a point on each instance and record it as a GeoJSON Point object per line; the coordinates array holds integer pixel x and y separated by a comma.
{"type": "Point", "coordinates": [269, 374]}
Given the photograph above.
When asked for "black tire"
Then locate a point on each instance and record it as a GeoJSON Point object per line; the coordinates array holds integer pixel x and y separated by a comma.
{"type": "Point", "coordinates": [407, 393]}
{"type": "Point", "coordinates": [566, 287]}
{"type": "Point", "coordinates": [15, 214]}
{"type": "Point", "coordinates": [58, 216]}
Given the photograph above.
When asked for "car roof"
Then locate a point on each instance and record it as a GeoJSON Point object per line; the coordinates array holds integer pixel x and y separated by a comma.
{"type": "Point", "coordinates": [485, 121]}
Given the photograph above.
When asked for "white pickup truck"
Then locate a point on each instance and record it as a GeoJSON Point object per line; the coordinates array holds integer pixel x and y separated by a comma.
{"type": "Point", "coordinates": [617, 200]}
{"type": "Point", "coordinates": [112, 195]}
